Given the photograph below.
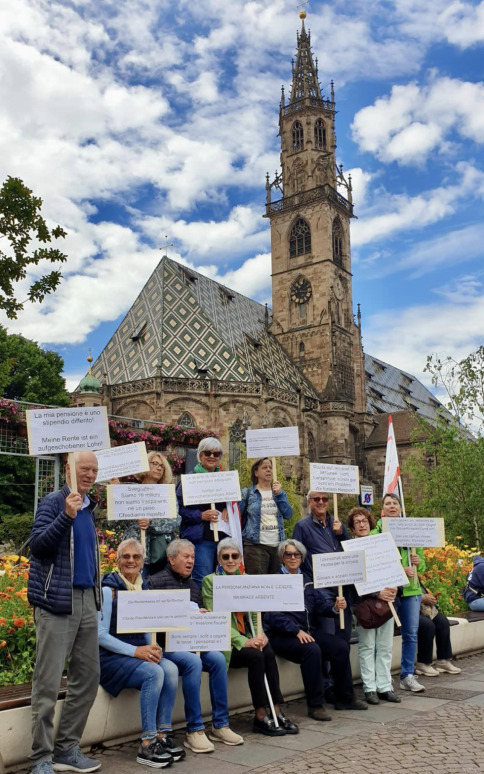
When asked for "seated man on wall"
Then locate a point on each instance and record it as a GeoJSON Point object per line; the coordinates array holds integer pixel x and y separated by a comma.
{"type": "Point", "coordinates": [177, 575]}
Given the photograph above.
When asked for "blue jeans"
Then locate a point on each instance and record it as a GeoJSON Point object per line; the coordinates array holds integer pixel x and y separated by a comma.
{"type": "Point", "coordinates": [190, 668]}
{"type": "Point", "coordinates": [205, 558]}
{"type": "Point", "coordinates": [158, 684]}
{"type": "Point", "coordinates": [409, 613]}
{"type": "Point", "coordinates": [477, 605]}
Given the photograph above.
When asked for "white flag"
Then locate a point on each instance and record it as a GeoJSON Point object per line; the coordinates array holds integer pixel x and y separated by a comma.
{"type": "Point", "coordinates": [392, 468]}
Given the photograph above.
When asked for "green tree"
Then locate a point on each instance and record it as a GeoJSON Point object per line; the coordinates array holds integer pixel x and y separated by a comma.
{"type": "Point", "coordinates": [21, 222]}
{"type": "Point", "coordinates": [463, 381]}
{"type": "Point", "coordinates": [30, 373]}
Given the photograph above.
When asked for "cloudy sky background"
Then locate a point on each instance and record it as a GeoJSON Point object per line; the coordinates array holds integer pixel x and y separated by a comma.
{"type": "Point", "coordinates": [139, 118]}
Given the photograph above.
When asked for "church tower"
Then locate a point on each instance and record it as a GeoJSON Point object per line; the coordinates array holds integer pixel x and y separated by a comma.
{"type": "Point", "coordinates": [310, 242]}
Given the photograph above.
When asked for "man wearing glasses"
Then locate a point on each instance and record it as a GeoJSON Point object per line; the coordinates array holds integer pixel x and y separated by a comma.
{"type": "Point", "coordinates": [318, 531]}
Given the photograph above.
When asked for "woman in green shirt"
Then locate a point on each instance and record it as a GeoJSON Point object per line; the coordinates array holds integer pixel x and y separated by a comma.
{"type": "Point", "coordinates": [409, 611]}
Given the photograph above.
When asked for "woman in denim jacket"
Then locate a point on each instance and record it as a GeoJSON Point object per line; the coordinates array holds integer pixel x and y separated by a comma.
{"type": "Point", "coordinates": [263, 508]}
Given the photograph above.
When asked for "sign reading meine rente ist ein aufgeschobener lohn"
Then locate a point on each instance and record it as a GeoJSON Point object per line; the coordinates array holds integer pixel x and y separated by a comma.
{"type": "Point", "coordinates": [61, 430]}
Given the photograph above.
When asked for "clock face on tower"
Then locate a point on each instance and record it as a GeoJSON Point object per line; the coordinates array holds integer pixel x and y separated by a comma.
{"type": "Point", "coordinates": [338, 289]}
{"type": "Point", "coordinates": [301, 291]}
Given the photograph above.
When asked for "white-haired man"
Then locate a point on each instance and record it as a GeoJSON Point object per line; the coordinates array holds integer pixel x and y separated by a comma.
{"type": "Point", "coordinates": [64, 590]}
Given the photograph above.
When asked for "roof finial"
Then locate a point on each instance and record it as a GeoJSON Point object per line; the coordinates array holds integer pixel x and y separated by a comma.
{"type": "Point", "coordinates": [166, 246]}
{"type": "Point", "coordinates": [89, 360]}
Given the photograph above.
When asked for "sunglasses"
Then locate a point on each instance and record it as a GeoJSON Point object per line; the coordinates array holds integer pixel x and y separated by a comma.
{"type": "Point", "coordinates": [320, 499]}
{"type": "Point", "coordinates": [226, 557]}
{"type": "Point", "coordinates": [136, 557]}
{"type": "Point", "coordinates": [292, 555]}
{"type": "Point", "coordinates": [212, 454]}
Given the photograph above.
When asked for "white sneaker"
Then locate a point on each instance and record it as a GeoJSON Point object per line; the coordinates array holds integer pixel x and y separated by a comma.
{"type": "Point", "coordinates": [410, 683]}
{"type": "Point", "coordinates": [225, 735]}
{"type": "Point", "coordinates": [426, 669]}
{"type": "Point", "coordinates": [442, 665]}
{"type": "Point", "coordinates": [197, 742]}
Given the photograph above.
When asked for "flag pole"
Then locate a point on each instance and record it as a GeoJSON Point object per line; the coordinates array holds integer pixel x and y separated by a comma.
{"type": "Point", "coordinates": [404, 514]}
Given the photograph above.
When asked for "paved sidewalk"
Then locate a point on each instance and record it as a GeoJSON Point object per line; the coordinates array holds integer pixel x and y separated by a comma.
{"type": "Point", "coordinates": [439, 732]}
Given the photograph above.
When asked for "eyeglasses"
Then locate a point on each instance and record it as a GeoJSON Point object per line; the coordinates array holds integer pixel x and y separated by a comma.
{"type": "Point", "coordinates": [212, 454]}
{"type": "Point", "coordinates": [292, 555]}
{"type": "Point", "coordinates": [360, 521]}
{"type": "Point", "coordinates": [155, 464]}
{"type": "Point", "coordinates": [226, 557]}
{"type": "Point", "coordinates": [320, 499]}
{"type": "Point", "coordinates": [136, 557]}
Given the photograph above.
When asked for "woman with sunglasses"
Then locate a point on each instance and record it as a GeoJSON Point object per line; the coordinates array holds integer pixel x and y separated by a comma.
{"type": "Point", "coordinates": [130, 661]}
{"type": "Point", "coordinates": [197, 520]}
{"type": "Point", "coordinates": [300, 638]}
{"type": "Point", "coordinates": [250, 652]}
{"type": "Point", "coordinates": [159, 532]}
{"type": "Point", "coordinates": [263, 507]}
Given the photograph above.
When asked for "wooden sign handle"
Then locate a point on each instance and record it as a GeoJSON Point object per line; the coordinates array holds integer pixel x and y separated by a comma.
{"type": "Point", "coordinates": [143, 541]}
{"type": "Point", "coordinates": [335, 506]}
{"type": "Point", "coordinates": [215, 525]}
{"type": "Point", "coordinates": [414, 579]}
{"type": "Point", "coordinates": [394, 614]}
{"type": "Point", "coordinates": [341, 612]}
{"type": "Point", "coordinates": [72, 472]}
{"type": "Point", "coordinates": [274, 470]}
{"type": "Point", "coordinates": [259, 625]}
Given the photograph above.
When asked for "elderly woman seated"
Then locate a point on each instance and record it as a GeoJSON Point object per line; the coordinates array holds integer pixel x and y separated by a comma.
{"type": "Point", "coordinates": [250, 651]}
{"type": "Point", "coordinates": [300, 638]}
{"type": "Point", "coordinates": [129, 661]}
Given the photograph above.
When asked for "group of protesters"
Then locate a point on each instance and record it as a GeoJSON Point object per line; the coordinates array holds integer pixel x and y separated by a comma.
{"type": "Point", "coordinates": [75, 613]}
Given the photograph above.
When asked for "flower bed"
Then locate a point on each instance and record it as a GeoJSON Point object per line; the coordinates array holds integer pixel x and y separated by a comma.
{"type": "Point", "coordinates": [446, 572]}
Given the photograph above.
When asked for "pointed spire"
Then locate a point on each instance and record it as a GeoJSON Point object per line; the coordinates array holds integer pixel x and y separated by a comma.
{"type": "Point", "coordinates": [304, 73]}
{"type": "Point", "coordinates": [332, 91]}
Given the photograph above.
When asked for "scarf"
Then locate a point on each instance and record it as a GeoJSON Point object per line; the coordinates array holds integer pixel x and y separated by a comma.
{"type": "Point", "coordinates": [239, 616]}
{"type": "Point", "coordinates": [200, 469]}
{"type": "Point", "coordinates": [136, 586]}
{"type": "Point", "coordinates": [286, 572]}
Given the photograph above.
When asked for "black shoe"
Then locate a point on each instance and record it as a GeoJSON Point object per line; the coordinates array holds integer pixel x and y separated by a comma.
{"type": "Point", "coordinates": [329, 696]}
{"type": "Point", "coordinates": [287, 725]}
{"type": "Point", "coordinates": [154, 756]}
{"type": "Point", "coordinates": [389, 696]}
{"type": "Point", "coordinates": [167, 744]}
{"type": "Point", "coordinates": [267, 727]}
{"type": "Point", "coordinates": [319, 713]}
{"type": "Point", "coordinates": [351, 705]}
{"type": "Point", "coordinates": [371, 697]}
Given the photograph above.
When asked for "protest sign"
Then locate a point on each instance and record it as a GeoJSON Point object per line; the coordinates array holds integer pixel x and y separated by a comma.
{"type": "Point", "coordinates": [334, 479]}
{"type": "Point", "coordinates": [338, 569]}
{"type": "Point", "coordinates": [426, 533]}
{"type": "Point", "coordinates": [153, 611]}
{"type": "Point", "coordinates": [199, 488]}
{"type": "Point", "coordinates": [258, 593]}
{"type": "Point", "coordinates": [141, 501]}
{"type": "Point", "coordinates": [273, 442]}
{"type": "Point", "coordinates": [122, 461]}
{"type": "Point", "coordinates": [366, 495]}
{"type": "Point", "coordinates": [59, 430]}
{"type": "Point", "coordinates": [208, 631]}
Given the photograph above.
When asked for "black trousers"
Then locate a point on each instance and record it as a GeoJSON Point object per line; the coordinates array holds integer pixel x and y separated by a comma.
{"type": "Point", "coordinates": [261, 559]}
{"type": "Point", "coordinates": [259, 663]}
{"type": "Point", "coordinates": [311, 656]}
{"type": "Point", "coordinates": [439, 629]}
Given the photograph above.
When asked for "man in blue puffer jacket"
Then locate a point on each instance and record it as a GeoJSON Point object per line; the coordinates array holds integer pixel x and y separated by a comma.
{"type": "Point", "coordinates": [64, 590]}
{"type": "Point", "coordinates": [474, 591]}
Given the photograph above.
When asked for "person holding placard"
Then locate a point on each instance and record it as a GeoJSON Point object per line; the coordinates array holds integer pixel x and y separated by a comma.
{"type": "Point", "coordinates": [64, 589]}
{"type": "Point", "coordinates": [263, 508]}
{"type": "Point", "coordinates": [159, 532]}
{"type": "Point", "coordinates": [249, 651]}
{"type": "Point", "coordinates": [177, 575]}
{"type": "Point", "coordinates": [197, 520]}
{"type": "Point", "coordinates": [318, 531]}
{"type": "Point", "coordinates": [375, 626]}
{"type": "Point", "coordinates": [131, 661]}
{"type": "Point", "coordinates": [300, 638]}
{"type": "Point", "coordinates": [410, 599]}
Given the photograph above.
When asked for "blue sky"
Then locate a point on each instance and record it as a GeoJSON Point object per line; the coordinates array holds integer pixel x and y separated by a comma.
{"type": "Point", "coordinates": [139, 118]}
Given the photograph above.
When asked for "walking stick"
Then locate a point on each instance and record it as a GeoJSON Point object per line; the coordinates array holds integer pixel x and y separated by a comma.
{"type": "Point", "coordinates": [259, 633]}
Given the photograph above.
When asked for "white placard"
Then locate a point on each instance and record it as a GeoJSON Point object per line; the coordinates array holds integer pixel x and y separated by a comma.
{"type": "Point", "coordinates": [334, 479]}
{"type": "Point", "coordinates": [366, 495]}
{"type": "Point", "coordinates": [273, 442]}
{"type": "Point", "coordinates": [122, 461]}
{"type": "Point", "coordinates": [141, 501]}
{"type": "Point", "coordinates": [153, 611]}
{"type": "Point", "coordinates": [426, 533]}
{"type": "Point", "coordinates": [200, 488]}
{"type": "Point", "coordinates": [258, 593]}
{"type": "Point", "coordinates": [383, 564]}
{"type": "Point", "coordinates": [208, 631]}
{"type": "Point", "coordinates": [338, 569]}
{"type": "Point", "coordinates": [59, 430]}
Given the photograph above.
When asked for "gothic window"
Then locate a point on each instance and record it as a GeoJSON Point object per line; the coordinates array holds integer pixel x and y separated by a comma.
{"type": "Point", "coordinates": [297, 136]}
{"type": "Point", "coordinates": [186, 420]}
{"type": "Point", "coordinates": [320, 134]}
{"type": "Point", "coordinates": [300, 239]}
{"type": "Point", "coordinates": [236, 443]}
{"type": "Point", "coordinates": [337, 242]}
{"type": "Point", "coordinates": [302, 349]}
{"type": "Point", "coordinates": [312, 454]}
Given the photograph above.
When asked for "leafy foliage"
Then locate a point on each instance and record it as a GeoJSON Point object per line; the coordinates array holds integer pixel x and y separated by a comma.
{"type": "Point", "coordinates": [463, 382]}
{"type": "Point", "coordinates": [15, 528]}
{"type": "Point", "coordinates": [20, 223]}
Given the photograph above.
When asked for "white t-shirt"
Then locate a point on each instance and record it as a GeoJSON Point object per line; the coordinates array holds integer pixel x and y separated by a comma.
{"type": "Point", "coordinates": [269, 526]}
